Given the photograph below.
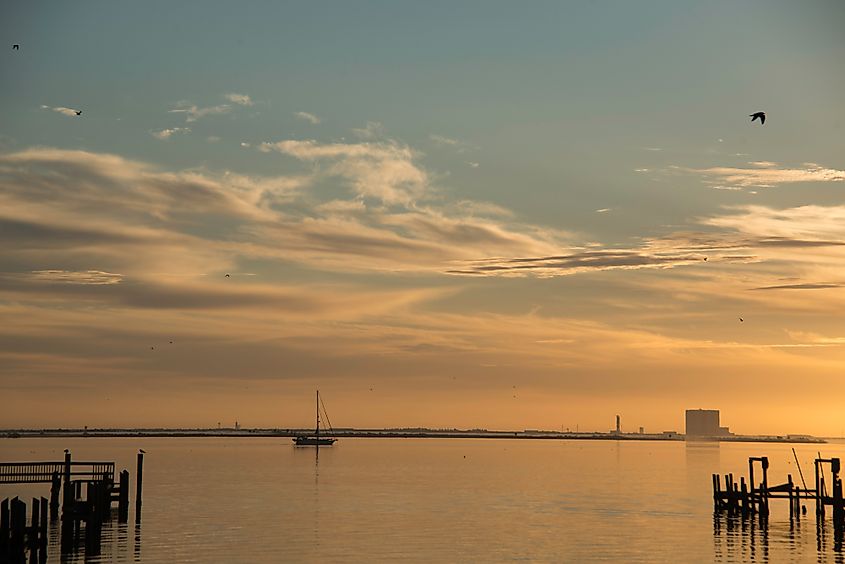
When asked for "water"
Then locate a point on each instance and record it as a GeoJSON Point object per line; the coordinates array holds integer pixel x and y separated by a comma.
{"type": "Point", "coordinates": [443, 500]}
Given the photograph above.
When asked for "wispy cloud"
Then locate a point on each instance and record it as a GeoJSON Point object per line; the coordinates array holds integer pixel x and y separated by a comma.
{"type": "Point", "coordinates": [805, 286]}
{"type": "Point", "coordinates": [765, 174]}
{"type": "Point", "coordinates": [93, 277]}
{"type": "Point", "coordinates": [240, 99]}
{"type": "Point", "coordinates": [165, 134]}
{"type": "Point", "coordinates": [577, 262]}
{"type": "Point", "coordinates": [193, 112]}
{"type": "Point", "coordinates": [383, 170]}
{"type": "Point", "coordinates": [372, 130]}
{"type": "Point", "coordinates": [456, 144]}
{"type": "Point", "coordinates": [310, 118]}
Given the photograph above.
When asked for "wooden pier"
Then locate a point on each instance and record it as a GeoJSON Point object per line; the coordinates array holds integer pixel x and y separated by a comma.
{"type": "Point", "coordinates": [69, 480]}
{"type": "Point", "coordinates": [750, 497]}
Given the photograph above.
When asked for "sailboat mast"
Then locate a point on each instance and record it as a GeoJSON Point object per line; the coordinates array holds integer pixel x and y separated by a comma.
{"type": "Point", "coordinates": [318, 414]}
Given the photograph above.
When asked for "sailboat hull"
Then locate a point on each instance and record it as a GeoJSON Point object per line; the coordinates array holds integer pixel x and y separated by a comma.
{"type": "Point", "coordinates": [313, 441]}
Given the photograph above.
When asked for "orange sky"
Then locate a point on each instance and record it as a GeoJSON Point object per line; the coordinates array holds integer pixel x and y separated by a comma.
{"type": "Point", "coordinates": [540, 233]}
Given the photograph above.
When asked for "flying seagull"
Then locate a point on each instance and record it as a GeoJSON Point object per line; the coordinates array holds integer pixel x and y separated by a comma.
{"type": "Point", "coordinates": [16, 47]}
{"type": "Point", "coordinates": [761, 115]}
{"type": "Point", "coordinates": [227, 276]}
{"type": "Point", "coordinates": [741, 319]}
{"type": "Point", "coordinates": [78, 112]}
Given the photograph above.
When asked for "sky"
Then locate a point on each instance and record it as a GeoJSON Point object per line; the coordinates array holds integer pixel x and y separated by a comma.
{"type": "Point", "coordinates": [446, 214]}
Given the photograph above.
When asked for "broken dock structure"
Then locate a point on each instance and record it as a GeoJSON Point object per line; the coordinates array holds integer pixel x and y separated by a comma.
{"type": "Point", "coordinates": [750, 497]}
{"type": "Point", "coordinates": [85, 491]}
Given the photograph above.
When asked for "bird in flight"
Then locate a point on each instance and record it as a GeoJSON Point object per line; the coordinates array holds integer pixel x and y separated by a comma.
{"type": "Point", "coordinates": [78, 112]}
{"type": "Point", "coordinates": [227, 276]}
{"type": "Point", "coordinates": [741, 320]}
{"type": "Point", "coordinates": [761, 115]}
{"type": "Point", "coordinates": [16, 47]}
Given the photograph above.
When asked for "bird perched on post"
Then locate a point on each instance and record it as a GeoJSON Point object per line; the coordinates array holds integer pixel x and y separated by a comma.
{"type": "Point", "coordinates": [761, 115]}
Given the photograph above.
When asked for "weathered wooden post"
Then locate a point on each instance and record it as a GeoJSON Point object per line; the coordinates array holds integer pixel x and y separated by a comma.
{"type": "Point", "coordinates": [35, 526]}
{"type": "Point", "coordinates": [43, 522]}
{"type": "Point", "coordinates": [715, 480]}
{"type": "Point", "coordinates": [17, 514]}
{"type": "Point", "coordinates": [67, 499]}
{"type": "Point", "coordinates": [139, 477]}
{"type": "Point", "coordinates": [123, 498]}
{"type": "Point", "coordinates": [744, 495]}
{"type": "Point", "coordinates": [838, 509]}
{"type": "Point", "coordinates": [751, 481]}
{"type": "Point", "coordinates": [4, 521]}
{"type": "Point", "coordinates": [791, 499]}
{"type": "Point", "coordinates": [765, 486]}
{"type": "Point", "coordinates": [55, 488]}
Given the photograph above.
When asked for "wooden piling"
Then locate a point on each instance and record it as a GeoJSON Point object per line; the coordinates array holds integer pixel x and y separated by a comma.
{"type": "Point", "coordinates": [139, 476]}
{"type": "Point", "coordinates": [17, 525]}
{"type": "Point", "coordinates": [55, 488]}
{"type": "Point", "coordinates": [791, 500]}
{"type": "Point", "coordinates": [67, 499]}
{"type": "Point", "coordinates": [42, 525]}
{"type": "Point", "coordinates": [4, 521]}
{"type": "Point", "coordinates": [35, 522]}
{"type": "Point", "coordinates": [123, 497]}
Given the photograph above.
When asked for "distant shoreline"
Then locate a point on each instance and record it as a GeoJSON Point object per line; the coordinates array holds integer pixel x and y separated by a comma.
{"type": "Point", "coordinates": [394, 434]}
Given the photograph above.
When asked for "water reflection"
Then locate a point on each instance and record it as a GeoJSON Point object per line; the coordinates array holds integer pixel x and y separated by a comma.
{"type": "Point", "coordinates": [751, 538]}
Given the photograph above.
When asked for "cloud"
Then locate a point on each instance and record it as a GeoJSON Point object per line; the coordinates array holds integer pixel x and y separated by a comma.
{"type": "Point", "coordinates": [805, 286]}
{"type": "Point", "coordinates": [577, 262]}
{"type": "Point", "coordinates": [456, 144]}
{"type": "Point", "coordinates": [193, 112]}
{"type": "Point", "coordinates": [165, 134]}
{"type": "Point", "coordinates": [766, 174]}
{"type": "Point", "coordinates": [382, 170]}
{"type": "Point", "coordinates": [93, 277]}
{"type": "Point", "coordinates": [473, 164]}
{"type": "Point", "coordinates": [310, 118]}
{"type": "Point", "coordinates": [240, 99]}
{"type": "Point", "coordinates": [603, 210]}
{"type": "Point", "coordinates": [61, 110]}
{"type": "Point", "coordinates": [443, 140]}
{"type": "Point", "coordinates": [372, 130]}
{"type": "Point", "coordinates": [190, 223]}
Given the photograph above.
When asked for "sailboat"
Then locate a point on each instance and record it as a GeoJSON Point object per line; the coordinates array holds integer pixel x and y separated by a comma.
{"type": "Point", "coordinates": [316, 439]}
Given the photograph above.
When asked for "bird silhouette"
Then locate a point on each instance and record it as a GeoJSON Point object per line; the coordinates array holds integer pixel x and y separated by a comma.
{"type": "Point", "coordinates": [761, 115]}
{"type": "Point", "coordinates": [705, 259]}
{"type": "Point", "coordinates": [742, 320]}
{"type": "Point", "coordinates": [78, 112]}
{"type": "Point", "coordinates": [227, 276]}
{"type": "Point", "coordinates": [16, 47]}
{"type": "Point", "coordinates": [152, 348]}
{"type": "Point", "coordinates": [142, 451]}
{"type": "Point", "coordinates": [171, 342]}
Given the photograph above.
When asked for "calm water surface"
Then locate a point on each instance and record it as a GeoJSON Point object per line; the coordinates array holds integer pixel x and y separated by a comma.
{"type": "Point", "coordinates": [443, 500]}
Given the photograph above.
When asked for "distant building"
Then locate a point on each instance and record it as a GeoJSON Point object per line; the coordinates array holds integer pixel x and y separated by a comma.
{"type": "Point", "coordinates": [704, 423]}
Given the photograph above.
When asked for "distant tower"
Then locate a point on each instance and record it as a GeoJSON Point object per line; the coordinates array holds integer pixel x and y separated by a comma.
{"type": "Point", "coordinates": [618, 424]}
